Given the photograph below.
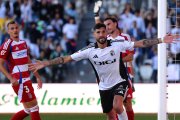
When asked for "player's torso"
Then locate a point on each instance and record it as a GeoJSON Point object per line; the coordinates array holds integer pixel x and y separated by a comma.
{"type": "Point", "coordinates": [106, 63]}
{"type": "Point", "coordinates": [18, 59]}
{"type": "Point", "coordinates": [126, 37]}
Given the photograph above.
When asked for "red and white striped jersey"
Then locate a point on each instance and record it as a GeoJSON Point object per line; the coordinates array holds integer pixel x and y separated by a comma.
{"type": "Point", "coordinates": [123, 36]}
{"type": "Point", "coordinates": [16, 55]}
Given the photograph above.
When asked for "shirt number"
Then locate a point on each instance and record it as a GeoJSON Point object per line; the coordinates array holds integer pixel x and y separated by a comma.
{"type": "Point", "coordinates": [26, 89]}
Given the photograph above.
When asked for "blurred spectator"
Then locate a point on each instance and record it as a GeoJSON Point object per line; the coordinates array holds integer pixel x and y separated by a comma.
{"type": "Point", "coordinates": [151, 31]}
{"type": "Point", "coordinates": [150, 18]}
{"type": "Point", "coordinates": [70, 32]}
{"type": "Point", "coordinates": [154, 65]}
{"type": "Point", "coordinates": [58, 70]}
{"type": "Point", "coordinates": [140, 21]}
{"type": "Point", "coordinates": [70, 10]}
{"type": "Point", "coordinates": [17, 11]}
{"type": "Point", "coordinates": [127, 19]}
{"type": "Point", "coordinates": [135, 31]}
{"type": "Point", "coordinates": [57, 23]}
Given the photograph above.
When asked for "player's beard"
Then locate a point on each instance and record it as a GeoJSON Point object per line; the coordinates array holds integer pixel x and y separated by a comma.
{"type": "Point", "coordinates": [102, 40]}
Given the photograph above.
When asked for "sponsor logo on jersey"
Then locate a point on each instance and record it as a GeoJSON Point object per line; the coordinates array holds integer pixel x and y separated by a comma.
{"type": "Point", "coordinates": [21, 53]}
{"type": "Point", "coordinates": [104, 62]}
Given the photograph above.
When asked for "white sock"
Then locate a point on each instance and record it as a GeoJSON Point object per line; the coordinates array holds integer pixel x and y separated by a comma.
{"type": "Point", "coordinates": [122, 116]}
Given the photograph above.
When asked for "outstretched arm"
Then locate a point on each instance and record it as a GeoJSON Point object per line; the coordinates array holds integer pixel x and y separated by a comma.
{"type": "Point", "coordinates": [150, 42]}
{"type": "Point", "coordinates": [41, 64]}
{"type": "Point", "coordinates": [97, 6]}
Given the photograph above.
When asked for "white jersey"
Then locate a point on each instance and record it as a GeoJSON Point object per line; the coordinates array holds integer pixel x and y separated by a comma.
{"type": "Point", "coordinates": [123, 36]}
{"type": "Point", "coordinates": [105, 61]}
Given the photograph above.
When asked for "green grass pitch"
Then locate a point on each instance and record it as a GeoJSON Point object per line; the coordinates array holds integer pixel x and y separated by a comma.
{"type": "Point", "coordinates": [86, 116]}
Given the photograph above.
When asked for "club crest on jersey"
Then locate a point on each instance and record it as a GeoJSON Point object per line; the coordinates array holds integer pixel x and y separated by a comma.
{"type": "Point", "coordinates": [112, 52]}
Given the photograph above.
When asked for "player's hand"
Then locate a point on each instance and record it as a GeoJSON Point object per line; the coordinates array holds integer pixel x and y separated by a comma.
{"type": "Point", "coordinates": [34, 67]}
{"type": "Point", "coordinates": [39, 82]}
{"type": "Point", "coordinates": [97, 6]}
{"type": "Point", "coordinates": [14, 82]}
{"type": "Point", "coordinates": [170, 38]}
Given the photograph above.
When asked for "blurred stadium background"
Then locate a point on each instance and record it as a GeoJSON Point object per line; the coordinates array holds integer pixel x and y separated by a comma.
{"type": "Point", "coordinates": [60, 27]}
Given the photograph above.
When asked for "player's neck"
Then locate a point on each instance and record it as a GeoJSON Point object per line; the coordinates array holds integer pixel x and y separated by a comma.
{"type": "Point", "coordinates": [115, 33]}
{"type": "Point", "coordinates": [15, 39]}
{"type": "Point", "coordinates": [102, 45]}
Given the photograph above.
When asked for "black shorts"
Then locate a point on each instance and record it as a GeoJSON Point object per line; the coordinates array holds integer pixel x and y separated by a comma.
{"type": "Point", "coordinates": [107, 96]}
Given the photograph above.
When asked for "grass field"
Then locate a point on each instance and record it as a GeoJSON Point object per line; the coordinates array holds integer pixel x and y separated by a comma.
{"type": "Point", "coordinates": [90, 117]}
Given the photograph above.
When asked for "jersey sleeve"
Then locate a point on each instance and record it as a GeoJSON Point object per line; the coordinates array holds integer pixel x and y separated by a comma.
{"type": "Point", "coordinates": [126, 45]}
{"type": "Point", "coordinates": [81, 54]}
{"type": "Point", "coordinates": [5, 49]}
{"type": "Point", "coordinates": [129, 40]}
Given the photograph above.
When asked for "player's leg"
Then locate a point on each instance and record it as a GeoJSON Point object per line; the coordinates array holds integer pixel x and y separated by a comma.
{"type": "Point", "coordinates": [23, 113]}
{"type": "Point", "coordinates": [118, 107]}
{"type": "Point", "coordinates": [30, 102]}
{"type": "Point", "coordinates": [107, 97]}
{"type": "Point", "coordinates": [120, 92]}
{"type": "Point", "coordinates": [111, 115]}
{"type": "Point", "coordinates": [33, 108]}
{"type": "Point", "coordinates": [128, 104]}
{"type": "Point", "coordinates": [129, 109]}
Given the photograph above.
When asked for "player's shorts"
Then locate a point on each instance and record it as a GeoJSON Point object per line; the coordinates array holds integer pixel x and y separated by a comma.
{"type": "Point", "coordinates": [107, 96]}
{"type": "Point", "coordinates": [25, 91]}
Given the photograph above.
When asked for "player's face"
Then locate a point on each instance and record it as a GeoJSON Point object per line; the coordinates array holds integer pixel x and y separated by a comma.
{"type": "Point", "coordinates": [110, 26]}
{"type": "Point", "coordinates": [13, 31]}
{"type": "Point", "coordinates": [100, 35]}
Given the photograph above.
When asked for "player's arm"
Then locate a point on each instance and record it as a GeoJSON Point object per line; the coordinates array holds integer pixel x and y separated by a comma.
{"type": "Point", "coordinates": [36, 74]}
{"type": "Point", "coordinates": [128, 58]}
{"type": "Point", "coordinates": [155, 41]}
{"type": "Point", "coordinates": [97, 6]}
{"type": "Point", "coordinates": [41, 64]}
{"type": "Point", "coordinates": [6, 73]}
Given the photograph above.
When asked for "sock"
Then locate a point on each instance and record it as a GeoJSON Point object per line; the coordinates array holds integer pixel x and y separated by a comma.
{"type": "Point", "coordinates": [34, 112]}
{"type": "Point", "coordinates": [20, 115]}
{"type": "Point", "coordinates": [122, 116]}
{"type": "Point", "coordinates": [130, 115]}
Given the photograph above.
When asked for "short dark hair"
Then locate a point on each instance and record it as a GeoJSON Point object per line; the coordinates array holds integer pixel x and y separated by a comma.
{"type": "Point", "coordinates": [99, 25]}
{"type": "Point", "coordinates": [112, 19]}
{"type": "Point", "coordinates": [11, 22]}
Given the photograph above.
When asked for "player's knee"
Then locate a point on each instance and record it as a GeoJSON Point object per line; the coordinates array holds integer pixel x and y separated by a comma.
{"type": "Point", "coordinates": [118, 108]}
{"type": "Point", "coordinates": [34, 109]}
{"type": "Point", "coordinates": [27, 110]}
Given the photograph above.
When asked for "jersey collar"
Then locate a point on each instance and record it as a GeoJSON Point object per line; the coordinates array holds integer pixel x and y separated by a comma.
{"type": "Point", "coordinates": [108, 44]}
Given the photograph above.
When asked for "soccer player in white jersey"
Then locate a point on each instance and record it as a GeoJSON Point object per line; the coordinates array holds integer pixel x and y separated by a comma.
{"type": "Point", "coordinates": [15, 53]}
{"type": "Point", "coordinates": [114, 33]}
{"type": "Point", "coordinates": [105, 57]}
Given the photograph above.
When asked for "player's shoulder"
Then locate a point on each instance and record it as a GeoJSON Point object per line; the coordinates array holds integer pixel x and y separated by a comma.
{"type": "Point", "coordinates": [116, 40]}
{"type": "Point", "coordinates": [90, 46]}
{"type": "Point", "coordinates": [126, 36]}
{"type": "Point", "coordinates": [6, 43]}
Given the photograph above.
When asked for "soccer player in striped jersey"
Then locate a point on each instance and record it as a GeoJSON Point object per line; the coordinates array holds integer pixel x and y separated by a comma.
{"type": "Point", "coordinates": [104, 55]}
{"type": "Point", "coordinates": [127, 57]}
{"type": "Point", "coordinates": [15, 53]}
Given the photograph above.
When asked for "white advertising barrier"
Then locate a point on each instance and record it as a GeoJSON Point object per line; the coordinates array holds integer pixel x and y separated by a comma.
{"type": "Point", "coordinates": [84, 98]}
